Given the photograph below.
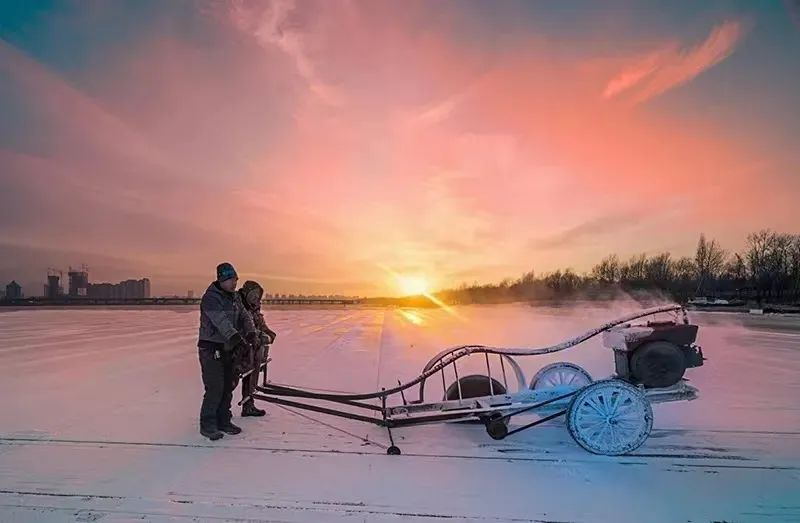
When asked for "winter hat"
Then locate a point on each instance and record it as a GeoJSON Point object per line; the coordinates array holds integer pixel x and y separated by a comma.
{"type": "Point", "coordinates": [250, 285]}
{"type": "Point", "coordinates": [225, 271]}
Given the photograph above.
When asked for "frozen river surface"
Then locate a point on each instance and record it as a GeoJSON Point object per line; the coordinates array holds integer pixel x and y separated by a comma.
{"type": "Point", "coordinates": [98, 422]}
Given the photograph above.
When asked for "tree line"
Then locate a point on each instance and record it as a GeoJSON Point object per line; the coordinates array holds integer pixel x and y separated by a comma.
{"type": "Point", "coordinates": [767, 270]}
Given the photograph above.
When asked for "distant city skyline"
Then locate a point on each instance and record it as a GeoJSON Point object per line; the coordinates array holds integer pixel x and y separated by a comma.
{"type": "Point", "coordinates": [367, 148]}
{"type": "Point", "coordinates": [78, 283]}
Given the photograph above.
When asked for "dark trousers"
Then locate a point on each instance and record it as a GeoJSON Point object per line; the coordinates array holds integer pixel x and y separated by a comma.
{"type": "Point", "coordinates": [219, 382]}
{"type": "Point", "coordinates": [248, 385]}
{"type": "Point", "coordinates": [250, 381]}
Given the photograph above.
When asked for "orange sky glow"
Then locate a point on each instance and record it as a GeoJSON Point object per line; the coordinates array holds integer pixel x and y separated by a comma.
{"type": "Point", "coordinates": [316, 145]}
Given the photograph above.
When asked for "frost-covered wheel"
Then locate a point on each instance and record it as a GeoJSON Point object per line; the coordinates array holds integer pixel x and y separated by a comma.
{"type": "Point", "coordinates": [610, 417]}
{"type": "Point", "coordinates": [560, 374]}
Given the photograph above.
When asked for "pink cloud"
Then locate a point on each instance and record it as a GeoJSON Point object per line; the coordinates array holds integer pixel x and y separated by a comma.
{"type": "Point", "coordinates": [271, 25]}
{"type": "Point", "coordinates": [434, 158]}
{"type": "Point", "coordinates": [461, 157]}
{"type": "Point", "coordinates": [639, 71]}
{"type": "Point", "coordinates": [671, 66]}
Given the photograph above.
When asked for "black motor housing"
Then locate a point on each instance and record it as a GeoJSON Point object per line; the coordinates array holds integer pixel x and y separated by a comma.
{"type": "Point", "coordinates": [656, 354]}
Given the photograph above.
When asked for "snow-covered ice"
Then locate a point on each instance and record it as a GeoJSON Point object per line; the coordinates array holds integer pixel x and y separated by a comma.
{"type": "Point", "coordinates": [99, 422]}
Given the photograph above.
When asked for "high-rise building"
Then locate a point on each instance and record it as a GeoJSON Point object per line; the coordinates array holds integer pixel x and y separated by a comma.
{"type": "Point", "coordinates": [53, 288]}
{"type": "Point", "coordinates": [79, 281]}
{"type": "Point", "coordinates": [101, 290]}
{"type": "Point", "coordinates": [13, 291]}
{"type": "Point", "coordinates": [124, 290]}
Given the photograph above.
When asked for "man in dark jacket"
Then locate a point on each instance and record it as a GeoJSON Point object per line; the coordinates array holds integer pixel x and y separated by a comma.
{"type": "Point", "coordinates": [225, 327]}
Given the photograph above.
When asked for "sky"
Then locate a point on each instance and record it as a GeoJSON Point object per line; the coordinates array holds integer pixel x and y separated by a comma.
{"type": "Point", "coordinates": [323, 147]}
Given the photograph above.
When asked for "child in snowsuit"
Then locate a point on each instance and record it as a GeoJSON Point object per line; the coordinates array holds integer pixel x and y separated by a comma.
{"type": "Point", "coordinates": [251, 294]}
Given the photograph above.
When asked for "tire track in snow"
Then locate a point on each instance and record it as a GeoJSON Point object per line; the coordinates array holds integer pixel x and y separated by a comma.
{"type": "Point", "coordinates": [320, 508]}
{"type": "Point", "coordinates": [630, 459]}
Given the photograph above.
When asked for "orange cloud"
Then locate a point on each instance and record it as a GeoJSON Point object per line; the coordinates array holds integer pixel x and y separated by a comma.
{"type": "Point", "coordinates": [438, 159]}
{"type": "Point", "coordinates": [671, 67]}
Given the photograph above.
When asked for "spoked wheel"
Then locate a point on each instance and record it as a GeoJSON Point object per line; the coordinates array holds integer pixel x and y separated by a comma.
{"type": "Point", "coordinates": [560, 374]}
{"type": "Point", "coordinates": [610, 417]}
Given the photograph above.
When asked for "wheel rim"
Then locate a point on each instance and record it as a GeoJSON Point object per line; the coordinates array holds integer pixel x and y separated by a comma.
{"type": "Point", "coordinates": [560, 375]}
{"type": "Point", "coordinates": [612, 419]}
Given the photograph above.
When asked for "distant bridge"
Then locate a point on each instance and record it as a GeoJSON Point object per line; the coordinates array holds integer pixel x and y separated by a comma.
{"type": "Point", "coordinates": [85, 300]}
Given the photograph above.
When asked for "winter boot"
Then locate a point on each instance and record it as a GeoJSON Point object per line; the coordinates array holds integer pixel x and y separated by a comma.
{"type": "Point", "coordinates": [230, 428]}
{"type": "Point", "coordinates": [212, 434]}
{"type": "Point", "coordinates": [250, 409]}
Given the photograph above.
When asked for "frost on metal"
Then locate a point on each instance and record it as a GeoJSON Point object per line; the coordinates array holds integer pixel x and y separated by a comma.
{"type": "Point", "coordinates": [620, 337]}
{"type": "Point", "coordinates": [528, 351]}
{"type": "Point", "coordinates": [610, 417]}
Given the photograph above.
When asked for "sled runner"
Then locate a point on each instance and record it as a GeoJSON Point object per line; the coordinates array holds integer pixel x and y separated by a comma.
{"type": "Point", "coordinates": [610, 416]}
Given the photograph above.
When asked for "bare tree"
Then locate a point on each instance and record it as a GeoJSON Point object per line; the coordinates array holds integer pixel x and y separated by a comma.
{"type": "Point", "coordinates": [658, 271]}
{"type": "Point", "coordinates": [736, 275]}
{"type": "Point", "coordinates": [608, 270]}
{"type": "Point", "coordinates": [709, 259]}
{"type": "Point", "coordinates": [769, 258]}
{"type": "Point", "coordinates": [794, 267]}
{"type": "Point", "coordinates": [770, 265]}
{"type": "Point", "coordinates": [758, 247]}
{"type": "Point", "coordinates": [632, 272]}
{"type": "Point", "coordinates": [779, 263]}
{"type": "Point", "coordinates": [684, 277]}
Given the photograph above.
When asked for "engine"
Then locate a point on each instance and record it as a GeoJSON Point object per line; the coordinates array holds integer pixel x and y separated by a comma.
{"type": "Point", "coordinates": [655, 354]}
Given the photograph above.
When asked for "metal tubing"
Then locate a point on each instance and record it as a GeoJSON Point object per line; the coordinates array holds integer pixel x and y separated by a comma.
{"type": "Point", "coordinates": [385, 421]}
{"type": "Point", "coordinates": [421, 420]}
{"type": "Point", "coordinates": [537, 405]}
{"type": "Point", "coordinates": [264, 368]}
{"type": "Point", "coordinates": [537, 422]}
{"type": "Point", "coordinates": [489, 372]}
{"type": "Point", "coordinates": [458, 382]}
{"type": "Point", "coordinates": [503, 366]}
{"type": "Point", "coordinates": [322, 410]}
{"type": "Point", "coordinates": [279, 391]}
{"type": "Point", "coordinates": [402, 395]}
{"type": "Point", "coordinates": [381, 422]}
{"type": "Point", "coordinates": [453, 354]}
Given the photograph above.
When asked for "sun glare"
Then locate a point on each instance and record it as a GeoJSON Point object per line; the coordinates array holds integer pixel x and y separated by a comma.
{"type": "Point", "coordinates": [413, 285]}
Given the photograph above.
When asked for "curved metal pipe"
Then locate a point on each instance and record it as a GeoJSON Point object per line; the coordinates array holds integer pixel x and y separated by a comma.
{"type": "Point", "coordinates": [456, 353]}
{"type": "Point", "coordinates": [522, 351]}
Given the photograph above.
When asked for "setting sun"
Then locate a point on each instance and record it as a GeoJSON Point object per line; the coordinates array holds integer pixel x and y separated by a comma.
{"type": "Point", "coordinates": [413, 285]}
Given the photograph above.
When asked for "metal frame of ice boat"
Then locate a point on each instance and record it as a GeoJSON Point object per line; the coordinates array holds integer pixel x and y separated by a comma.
{"type": "Point", "coordinates": [611, 416]}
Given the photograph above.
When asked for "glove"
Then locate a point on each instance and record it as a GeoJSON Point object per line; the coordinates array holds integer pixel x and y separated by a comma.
{"type": "Point", "coordinates": [272, 335]}
{"type": "Point", "coordinates": [235, 342]}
